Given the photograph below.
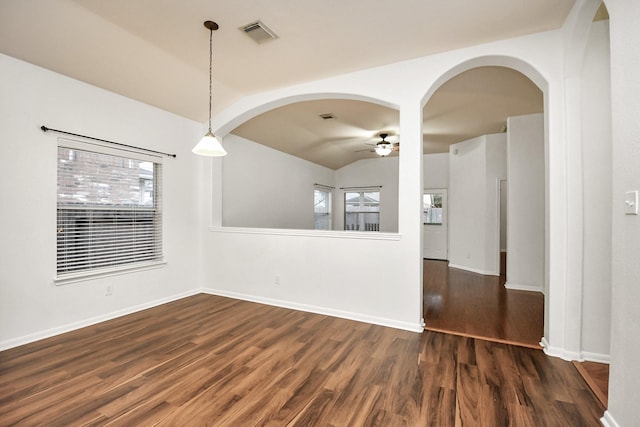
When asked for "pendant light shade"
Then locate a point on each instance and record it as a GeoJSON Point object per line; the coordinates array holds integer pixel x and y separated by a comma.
{"type": "Point", "coordinates": [209, 144]}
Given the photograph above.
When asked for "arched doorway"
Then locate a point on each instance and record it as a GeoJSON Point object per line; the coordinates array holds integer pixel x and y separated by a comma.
{"type": "Point", "coordinates": [467, 136]}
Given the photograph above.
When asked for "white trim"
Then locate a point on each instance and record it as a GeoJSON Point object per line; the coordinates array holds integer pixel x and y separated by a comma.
{"type": "Point", "coordinates": [366, 235]}
{"type": "Point", "coordinates": [319, 310]}
{"type": "Point", "coordinates": [559, 352]}
{"type": "Point", "coordinates": [115, 271]}
{"type": "Point", "coordinates": [523, 287]}
{"type": "Point", "coordinates": [26, 339]}
{"type": "Point", "coordinates": [572, 355]}
{"type": "Point", "coordinates": [474, 270]}
{"type": "Point", "coordinates": [608, 421]}
{"type": "Point", "coordinates": [596, 357]}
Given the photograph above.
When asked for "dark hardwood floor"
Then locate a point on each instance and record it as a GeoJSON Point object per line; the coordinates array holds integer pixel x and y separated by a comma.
{"type": "Point", "coordinates": [213, 361]}
{"type": "Point", "coordinates": [597, 377]}
{"type": "Point", "coordinates": [474, 305]}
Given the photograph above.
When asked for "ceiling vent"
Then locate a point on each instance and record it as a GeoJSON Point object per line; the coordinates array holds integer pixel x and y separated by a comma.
{"type": "Point", "coordinates": [327, 116]}
{"type": "Point", "coordinates": [259, 32]}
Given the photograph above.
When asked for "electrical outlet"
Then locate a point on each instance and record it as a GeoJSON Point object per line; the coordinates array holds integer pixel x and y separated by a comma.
{"type": "Point", "coordinates": [109, 289]}
{"type": "Point", "coordinates": [277, 281]}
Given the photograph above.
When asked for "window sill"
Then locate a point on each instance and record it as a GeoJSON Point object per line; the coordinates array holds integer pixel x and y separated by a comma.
{"type": "Point", "coordinates": [366, 235]}
{"type": "Point", "coordinates": [106, 272]}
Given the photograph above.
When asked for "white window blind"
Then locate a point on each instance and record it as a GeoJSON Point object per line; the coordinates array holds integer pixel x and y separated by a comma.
{"type": "Point", "coordinates": [109, 209]}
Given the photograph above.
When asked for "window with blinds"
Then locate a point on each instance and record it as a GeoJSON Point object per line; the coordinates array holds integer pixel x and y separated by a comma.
{"type": "Point", "coordinates": [109, 209]}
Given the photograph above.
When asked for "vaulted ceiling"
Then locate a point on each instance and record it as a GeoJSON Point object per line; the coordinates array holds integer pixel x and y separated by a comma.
{"type": "Point", "coordinates": [156, 51]}
{"type": "Point", "coordinates": [476, 102]}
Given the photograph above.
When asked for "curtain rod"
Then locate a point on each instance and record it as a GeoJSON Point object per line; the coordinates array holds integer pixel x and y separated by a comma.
{"type": "Point", "coordinates": [361, 186]}
{"type": "Point", "coordinates": [324, 186]}
{"type": "Point", "coordinates": [46, 129]}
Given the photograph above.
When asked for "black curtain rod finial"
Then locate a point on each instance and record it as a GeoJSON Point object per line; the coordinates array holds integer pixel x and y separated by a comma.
{"type": "Point", "coordinates": [45, 129]}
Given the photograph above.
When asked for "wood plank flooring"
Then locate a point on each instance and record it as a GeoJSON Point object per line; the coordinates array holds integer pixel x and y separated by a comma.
{"type": "Point", "coordinates": [474, 305]}
{"type": "Point", "coordinates": [213, 361]}
{"type": "Point", "coordinates": [597, 377]}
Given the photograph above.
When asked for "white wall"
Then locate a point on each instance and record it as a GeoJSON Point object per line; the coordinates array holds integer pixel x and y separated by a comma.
{"type": "Point", "coordinates": [596, 137]}
{"type": "Point", "coordinates": [266, 188]}
{"type": "Point", "coordinates": [496, 170]}
{"type": "Point", "coordinates": [381, 171]}
{"type": "Point", "coordinates": [504, 189]}
{"type": "Point", "coordinates": [525, 202]}
{"type": "Point", "coordinates": [624, 384]}
{"type": "Point", "coordinates": [435, 170]}
{"type": "Point", "coordinates": [467, 205]}
{"type": "Point", "coordinates": [475, 168]}
{"type": "Point", "coordinates": [31, 306]}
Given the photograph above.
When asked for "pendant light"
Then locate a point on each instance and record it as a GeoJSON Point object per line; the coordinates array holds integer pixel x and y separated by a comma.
{"type": "Point", "coordinates": [209, 144]}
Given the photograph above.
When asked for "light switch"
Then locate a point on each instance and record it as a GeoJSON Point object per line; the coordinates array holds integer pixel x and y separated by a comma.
{"type": "Point", "coordinates": [631, 202]}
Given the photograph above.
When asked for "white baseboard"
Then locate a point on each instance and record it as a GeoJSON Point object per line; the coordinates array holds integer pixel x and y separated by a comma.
{"type": "Point", "coordinates": [26, 339]}
{"type": "Point", "coordinates": [474, 270]}
{"type": "Point", "coordinates": [596, 357]}
{"type": "Point", "coordinates": [417, 327]}
{"type": "Point", "coordinates": [559, 352]}
{"type": "Point", "coordinates": [608, 421]}
{"type": "Point", "coordinates": [523, 287]}
{"type": "Point", "coordinates": [573, 355]}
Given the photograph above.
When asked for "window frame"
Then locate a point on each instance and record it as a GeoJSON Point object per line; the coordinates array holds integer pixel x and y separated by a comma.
{"type": "Point", "coordinates": [329, 198]}
{"type": "Point", "coordinates": [156, 209]}
{"type": "Point", "coordinates": [429, 212]}
{"type": "Point", "coordinates": [363, 203]}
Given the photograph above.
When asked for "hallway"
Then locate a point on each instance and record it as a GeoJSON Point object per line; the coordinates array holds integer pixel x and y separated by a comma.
{"type": "Point", "coordinates": [473, 305]}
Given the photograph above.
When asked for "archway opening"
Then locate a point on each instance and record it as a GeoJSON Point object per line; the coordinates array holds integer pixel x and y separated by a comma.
{"type": "Point", "coordinates": [484, 124]}
{"type": "Point", "coordinates": [312, 164]}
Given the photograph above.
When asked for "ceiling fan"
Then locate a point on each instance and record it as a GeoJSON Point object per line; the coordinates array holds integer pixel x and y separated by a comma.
{"type": "Point", "coordinates": [384, 148]}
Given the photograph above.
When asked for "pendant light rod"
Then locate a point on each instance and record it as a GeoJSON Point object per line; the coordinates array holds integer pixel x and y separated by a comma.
{"type": "Point", "coordinates": [211, 26]}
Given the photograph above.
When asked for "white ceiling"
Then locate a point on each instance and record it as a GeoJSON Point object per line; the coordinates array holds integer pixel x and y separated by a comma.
{"type": "Point", "coordinates": [156, 51]}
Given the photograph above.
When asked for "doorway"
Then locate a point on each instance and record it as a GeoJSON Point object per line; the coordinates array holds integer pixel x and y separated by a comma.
{"type": "Point", "coordinates": [434, 224]}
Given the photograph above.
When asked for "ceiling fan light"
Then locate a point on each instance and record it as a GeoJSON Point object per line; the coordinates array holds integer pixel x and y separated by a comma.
{"type": "Point", "coordinates": [209, 146]}
{"type": "Point", "coordinates": [383, 149]}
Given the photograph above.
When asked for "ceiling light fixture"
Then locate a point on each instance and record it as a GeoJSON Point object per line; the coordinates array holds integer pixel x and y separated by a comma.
{"type": "Point", "coordinates": [383, 148]}
{"type": "Point", "coordinates": [209, 144]}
